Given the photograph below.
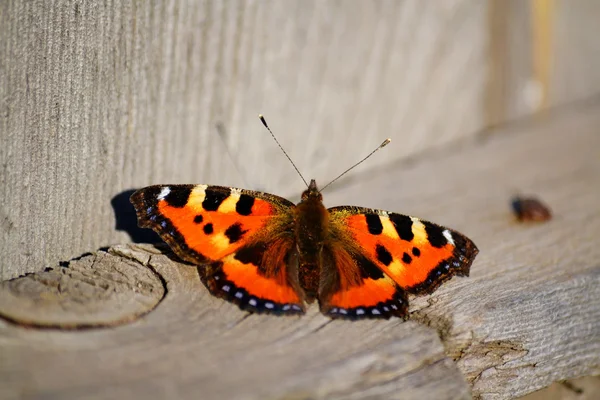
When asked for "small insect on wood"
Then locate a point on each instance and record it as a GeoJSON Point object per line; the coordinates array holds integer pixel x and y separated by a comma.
{"type": "Point", "coordinates": [528, 209]}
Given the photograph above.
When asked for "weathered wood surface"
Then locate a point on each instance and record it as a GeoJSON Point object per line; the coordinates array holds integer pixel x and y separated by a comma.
{"type": "Point", "coordinates": [102, 97]}
{"type": "Point", "coordinates": [194, 345]}
{"type": "Point", "coordinates": [529, 314]}
{"type": "Point", "coordinates": [574, 72]}
{"type": "Point", "coordinates": [93, 290]}
{"type": "Point", "coordinates": [586, 388]}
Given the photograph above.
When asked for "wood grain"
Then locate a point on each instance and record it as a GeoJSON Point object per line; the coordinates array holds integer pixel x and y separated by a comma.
{"type": "Point", "coordinates": [93, 290]}
{"type": "Point", "coordinates": [102, 97]}
{"type": "Point", "coordinates": [195, 345]}
{"type": "Point", "coordinates": [586, 388]}
{"type": "Point", "coordinates": [529, 314]}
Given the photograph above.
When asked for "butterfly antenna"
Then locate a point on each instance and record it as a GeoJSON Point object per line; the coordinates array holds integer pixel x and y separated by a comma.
{"type": "Point", "coordinates": [385, 143]}
{"type": "Point", "coordinates": [262, 119]}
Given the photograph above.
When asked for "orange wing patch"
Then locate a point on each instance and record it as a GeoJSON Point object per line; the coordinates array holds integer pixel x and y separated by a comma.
{"type": "Point", "coordinates": [257, 278]}
{"type": "Point", "coordinates": [418, 255]}
{"type": "Point", "coordinates": [356, 288]}
{"type": "Point", "coordinates": [220, 229]}
{"type": "Point", "coordinates": [202, 223]}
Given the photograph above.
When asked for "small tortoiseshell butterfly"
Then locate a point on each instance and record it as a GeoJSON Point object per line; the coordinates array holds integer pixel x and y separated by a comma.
{"type": "Point", "coordinates": [269, 255]}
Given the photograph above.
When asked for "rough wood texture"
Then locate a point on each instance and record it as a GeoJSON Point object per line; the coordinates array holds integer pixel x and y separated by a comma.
{"type": "Point", "coordinates": [529, 314]}
{"type": "Point", "coordinates": [586, 388]}
{"type": "Point", "coordinates": [102, 97]}
{"type": "Point", "coordinates": [94, 290]}
{"type": "Point", "coordinates": [194, 345]}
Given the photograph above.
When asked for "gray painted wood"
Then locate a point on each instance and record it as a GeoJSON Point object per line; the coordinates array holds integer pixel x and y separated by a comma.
{"type": "Point", "coordinates": [528, 315]}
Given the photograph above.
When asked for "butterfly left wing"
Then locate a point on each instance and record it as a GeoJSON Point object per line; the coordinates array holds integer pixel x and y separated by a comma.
{"type": "Point", "coordinates": [405, 253]}
{"type": "Point", "coordinates": [240, 239]}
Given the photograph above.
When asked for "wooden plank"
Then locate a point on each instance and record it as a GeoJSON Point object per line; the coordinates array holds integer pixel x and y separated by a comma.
{"type": "Point", "coordinates": [542, 54]}
{"type": "Point", "coordinates": [93, 290]}
{"type": "Point", "coordinates": [513, 91]}
{"type": "Point", "coordinates": [586, 388]}
{"type": "Point", "coordinates": [101, 97]}
{"type": "Point", "coordinates": [195, 345]}
{"type": "Point", "coordinates": [575, 61]}
{"type": "Point", "coordinates": [529, 314]}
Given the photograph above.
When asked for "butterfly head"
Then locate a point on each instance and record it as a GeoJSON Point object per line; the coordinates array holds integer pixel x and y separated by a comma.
{"type": "Point", "coordinates": [312, 192]}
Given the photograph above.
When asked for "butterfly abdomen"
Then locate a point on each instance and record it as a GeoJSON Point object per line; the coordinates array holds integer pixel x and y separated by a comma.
{"type": "Point", "coordinates": [311, 227]}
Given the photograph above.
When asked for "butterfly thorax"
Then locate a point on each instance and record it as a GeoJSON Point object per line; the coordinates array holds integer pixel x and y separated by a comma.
{"type": "Point", "coordinates": [311, 224]}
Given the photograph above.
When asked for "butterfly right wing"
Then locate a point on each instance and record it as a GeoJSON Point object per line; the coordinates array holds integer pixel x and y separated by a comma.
{"type": "Point", "coordinates": [240, 239]}
{"type": "Point", "coordinates": [353, 287]}
{"type": "Point", "coordinates": [375, 257]}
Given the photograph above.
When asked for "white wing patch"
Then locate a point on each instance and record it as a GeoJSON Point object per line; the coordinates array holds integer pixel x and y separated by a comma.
{"type": "Point", "coordinates": [164, 193]}
{"type": "Point", "coordinates": [448, 236]}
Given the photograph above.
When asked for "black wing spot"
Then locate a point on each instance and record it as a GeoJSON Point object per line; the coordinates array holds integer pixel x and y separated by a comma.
{"type": "Point", "coordinates": [384, 255]}
{"type": "Point", "coordinates": [406, 259]}
{"type": "Point", "coordinates": [251, 254]}
{"type": "Point", "coordinates": [403, 225]}
{"type": "Point", "coordinates": [374, 224]}
{"type": "Point", "coordinates": [198, 219]}
{"type": "Point", "coordinates": [368, 269]}
{"type": "Point", "coordinates": [150, 194]}
{"type": "Point", "coordinates": [208, 228]}
{"type": "Point", "coordinates": [213, 199]}
{"type": "Point", "coordinates": [435, 234]}
{"type": "Point", "coordinates": [244, 205]}
{"type": "Point", "coordinates": [234, 233]}
{"type": "Point", "coordinates": [178, 197]}
{"type": "Point", "coordinates": [416, 252]}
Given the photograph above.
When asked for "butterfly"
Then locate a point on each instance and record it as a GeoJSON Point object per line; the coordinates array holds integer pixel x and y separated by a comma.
{"type": "Point", "coordinates": [269, 255]}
